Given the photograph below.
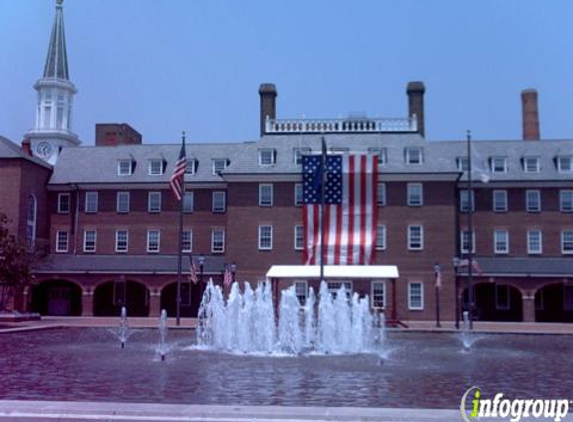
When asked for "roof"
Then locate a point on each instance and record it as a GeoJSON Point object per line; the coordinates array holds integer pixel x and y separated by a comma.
{"type": "Point", "coordinates": [526, 266]}
{"type": "Point", "coordinates": [9, 149]}
{"type": "Point", "coordinates": [57, 59]}
{"type": "Point", "coordinates": [333, 271]}
{"type": "Point", "coordinates": [143, 264]}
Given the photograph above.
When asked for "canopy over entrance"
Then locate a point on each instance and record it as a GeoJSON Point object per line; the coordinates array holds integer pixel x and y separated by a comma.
{"type": "Point", "coordinates": [334, 271]}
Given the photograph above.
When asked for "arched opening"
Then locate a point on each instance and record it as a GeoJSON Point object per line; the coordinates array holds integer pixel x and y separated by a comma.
{"type": "Point", "coordinates": [57, 297]}
{"type": "Point", "coordinates": [495, 302]}
{"type": "Point", "coordinates": [111, 296]}
{"type": "Point", "coordinates": [190, 299]}
{"type": "Point", "coordinates": [554, 303]}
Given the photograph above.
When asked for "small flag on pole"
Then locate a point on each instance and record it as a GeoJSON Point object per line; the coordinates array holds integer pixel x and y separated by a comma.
{"type": "Point", "coordinates": [475, 265]}
{"type": "Point", "coordinates": [193, 276]}
{"type": "Point", "coordinates": [228, 276]}
{"type": "Point", "coordinates": [439, 279]}
{"type": "Point", "coordinates": [177, 178]}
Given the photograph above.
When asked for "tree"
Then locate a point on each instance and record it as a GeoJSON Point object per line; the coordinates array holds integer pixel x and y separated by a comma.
{"type": "Point", "coordinates": [15, 264]}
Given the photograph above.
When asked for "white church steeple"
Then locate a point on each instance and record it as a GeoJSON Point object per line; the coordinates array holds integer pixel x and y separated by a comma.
{"type": "Point", "coordinates": [52, 130]}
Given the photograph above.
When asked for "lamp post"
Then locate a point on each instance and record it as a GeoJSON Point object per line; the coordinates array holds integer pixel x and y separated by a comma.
{"type": "Point", "coordinates": [437, 275]}
{"type": "Point", "coordinates": [201, 260]}
{"type": "Point", "coordinates": [233, 269]}
{"type": "Point", "coordinates": [456, 262]}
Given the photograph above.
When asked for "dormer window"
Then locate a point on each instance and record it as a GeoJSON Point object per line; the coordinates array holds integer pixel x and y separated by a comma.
{"type": "Point", "coordinates": [462, 163]}
{"type": "Point", "coordinates": [414, 155]}
{"type": "Point", "coordinates": [339, 151]}
{"type": "Point", "coordinates": [531, 164]}
{"type": "Point", "coordinates": [298, 153]}
{"type": "Point", "coordinates": [155, 167]}
{"type": "Point", "coordinates": [382, 154]}
{"type": "Point", "coordinates": [192, 165]}
{"type": "Point", "coordinates": [267, 157]}
{"type": "Point", "coordinates": [565, 164]}
{"type": "Point", "coordinates": [124, 168]}
{"type": "Point", "coordinates": [498, 164]}
{"type": "Point", "coordinates": [219, 164]}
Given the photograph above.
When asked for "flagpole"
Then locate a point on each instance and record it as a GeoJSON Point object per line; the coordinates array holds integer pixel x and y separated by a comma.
{"type": "Point", "coordinates": [180, 255]}
{"type": "Point", "coordinates": [470, 234]}
{"type": "Point", "coordinates": [322, 198]}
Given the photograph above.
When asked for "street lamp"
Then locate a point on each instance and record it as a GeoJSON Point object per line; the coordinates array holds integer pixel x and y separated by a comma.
{"type": "Point", "coordinates": [233, 269]}
{"type": "Point", "coordinates": [437, 275]}
{"type": "Point", "coordinates": [201, 260]}
{"type": "Point", "coordinates": [456, 262]}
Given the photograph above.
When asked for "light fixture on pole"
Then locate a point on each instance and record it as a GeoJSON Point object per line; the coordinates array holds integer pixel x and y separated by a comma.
{"type": "Point", "coordinates": [438, 278]}
{"type": "Point", "coordinates": [456, 263]}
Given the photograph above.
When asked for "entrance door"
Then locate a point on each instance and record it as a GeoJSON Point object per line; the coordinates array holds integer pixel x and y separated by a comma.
{"type": "Point", "coordinates": [59, 300]}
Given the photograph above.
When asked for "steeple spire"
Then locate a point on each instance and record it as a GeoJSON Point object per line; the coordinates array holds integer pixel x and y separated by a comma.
{"type": "Point", "coordinates": [57, 59]}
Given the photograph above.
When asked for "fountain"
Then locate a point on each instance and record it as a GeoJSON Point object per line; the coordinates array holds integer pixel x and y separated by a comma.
{"type": "Point", "coordinates": [467, 337]}
{"type": "Point", "coordinates": [246, 323]}
{"type": "Point", "coordinates": [122, 332]}
{"type": "Point", "coordinates": [162, 347]}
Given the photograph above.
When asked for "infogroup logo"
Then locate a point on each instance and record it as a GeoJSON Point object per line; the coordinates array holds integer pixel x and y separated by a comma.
{"type": "Point", "coordinates": [474, 407]}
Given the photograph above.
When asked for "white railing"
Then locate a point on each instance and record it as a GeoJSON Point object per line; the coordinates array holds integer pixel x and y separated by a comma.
{"type": "Point", "coordinates": [343, 125]}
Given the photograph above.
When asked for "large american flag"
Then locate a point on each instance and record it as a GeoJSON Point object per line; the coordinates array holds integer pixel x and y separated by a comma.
{"type": "Point", "coordinates": [349, 210]}
{"type": "Point", "coordinates": [177, 178]}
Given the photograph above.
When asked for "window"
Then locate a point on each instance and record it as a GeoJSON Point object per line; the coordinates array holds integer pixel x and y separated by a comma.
{"type": "Point", "coordinates": [219, 164]}
{"type": "Point", "coordinates": [61, 241]}
{"type": "Point", "coordinates": [381, 237]}
{"type": "Point", "coordinates": [378, 294]}
{"type": "Point", "coordinates": [381, 194]}
{"type": "Point", "coordinates": [298, 238]}
{"type": "Point", "coordinates": [339, 150]}
{"type": "Point", "coordinates": [465, 201]}
{"type": "Point", "coordinates": [187, 241]}
{"type": "Point", "coordinates": [566, 200]}
{"type": "Point", "coordinates": [498, 164]}
{"type": "Point", "coordinates": [153, 240]}
{"type": "Point", "coordinates": [415, 238]}
{"type": "Point", "coordinates": [414, 156]}
{"type": "Point", "coordinates": [218, 241]}
{"type": "Point", "coordinates": [499, 200]}
{"type": "Point", "coordinates": [267, 157]}
{"type": "Point", "coordinates": [415, 195]}
{"type": "Point", "coordinates": [122, 202]}
{"type": "Point", "coordinates": [382, 154]}
{"type": "Point", "coordinates": [121, 240]}
{"type": "Point", "coordinates": [91, 202]}
{"type": "Point", "coordinates": [534, 242]}
{"type": "Point", "coordinates": [462, 163]}
{"type": "Point", "coordinates": [565, 164]}
{"type": "Point", "coordinates": [265, 195]}
{"type": "Point", "coordinates": [501, 241]}
{"type": "Point", "coordinates": [31, 221]}
{"type": "Point", "coordinates": [154, 202]}
{"type": "Point", "coordinates": [265, 238]}
{"type": "Point", "coordinates": [301, 291]}
{"type": "Point", "coordinates": [415, 296]}
{"type": "Point", "coordinates": [465, 241]}
{"type": "Point", "coordinates": [219, 201]}
{"type": "Point", "coordinates": [334, 286]}
{"type": "Point", "coordinates": [63, 203]}
{"type": "Point", "coordinates": [502, 297]}
{"type": "Point", "coordinates": [124, 168]}
{"type": "Point", "coordinates": [531, 164]}
{"type": "Point", "coordinates": [533, 200]}
{"type": "Point", "coordinates": [567, 241]}
{"type": "Point", "coordinates": [90, 240]}
{"type": "Point", "coordinates": [188, 202]}
{"type": "Point", "coordinates": [191, 166]}
{"type": "Point", "coordinates": [298, 153]}
{"type": "Point", "coordinates": [298, 197]}
{"type": "Point", "coordinates": [155, 167]}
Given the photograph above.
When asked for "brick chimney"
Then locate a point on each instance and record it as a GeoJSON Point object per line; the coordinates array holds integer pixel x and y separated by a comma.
{"type": "Point", "coordinates": [415, 91]}
{"type": "Point", "coordinates": [530, 115]}
{"type": "Point", "coordinates": [113, 134]}
{"type": "Point", "coordinates": [26, 147]}
{"type": "Point", "coordinates": [268, 93]}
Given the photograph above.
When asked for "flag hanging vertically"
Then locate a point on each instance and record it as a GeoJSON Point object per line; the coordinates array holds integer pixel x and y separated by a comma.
{"type": "Point", "coordinates": [228, 276]}
{"type": "Point", "coordinates": [176, 183]}
{"type": "Point", "coordinates": [193, 276]}
{"type": "Point", "coordinates": [349, 208]}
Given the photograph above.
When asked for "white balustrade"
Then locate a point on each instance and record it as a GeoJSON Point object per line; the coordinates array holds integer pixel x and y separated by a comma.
{"type": "Point", "coordinates": [343, 125]}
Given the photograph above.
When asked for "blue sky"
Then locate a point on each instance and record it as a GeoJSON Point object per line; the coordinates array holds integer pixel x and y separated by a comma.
{"type": "Point", "coordinates": [171, 65]}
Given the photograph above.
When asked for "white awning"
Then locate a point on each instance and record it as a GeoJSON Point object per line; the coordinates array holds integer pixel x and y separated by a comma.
{"type": "Point", "coordinates": [334, 271]}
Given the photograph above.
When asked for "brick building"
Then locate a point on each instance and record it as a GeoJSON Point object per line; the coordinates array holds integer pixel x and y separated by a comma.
{"type": "Point", "coordinates": [112, 223]}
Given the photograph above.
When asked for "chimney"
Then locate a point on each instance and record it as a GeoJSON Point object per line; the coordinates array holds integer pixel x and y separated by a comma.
{"type": "Point", "coordinates": [415, 93]}
{"type": "Point", "coordinates": [113, 134]}
{"type": "Point", "coordinates": [26, 147]}
{"type": "Point", "coordinates": [268, 93]}
{"type": "Point", "coordinates": [530, 115]}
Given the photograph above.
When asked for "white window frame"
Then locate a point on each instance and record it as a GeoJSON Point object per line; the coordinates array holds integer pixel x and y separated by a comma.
{"type": "Point", "coordinates": [92, 194]}
{"type": "Point", "coordinates": [381, 228]}
{"type": "Point", "coordinates": [410, 201]}
{"type": "Point", "coordinates": [60, 196]}
{"type": "Point", "coordinates": [298, 153]}
{"type": "Point", "coordinates": [465, 204]}
{"type": "Point", "coordinates": [410, 228]}
{"type": "Point", "coordinates": [339, 150]}
{"type": "Point", "coordinates": [215, 232]}
{"type": "Point", "coordinates": [188, 194]}
{"type": "Point", "coordinates": [215, 165]}
{"type": "Point", "coordinates": [262, 154]}
{"type": "Point", "coordinates": [382, 154]}
{"type": "Point", "coordinates": [535, 193]}
{"type": "Point", "coordinates": [530, 250]}
{"type": "Point", "coordinates": [191, 166]}
{"type": "Point", "coordinates": [494, 164]}
{"type": "Point", "coordinates": [153, 162]}
{"type": "Point", "coordinates": [149, 202]}
{"type": "Point", "coordinates": [496, 241]}
{"type": "Point", "coordinates": [412, 307]}
{"type": "Point", "coordinates": [494, 203]}
{"type": "Point", "coordinates": [374, 304]}
{"type": "Point", "coordinates": [410, 156]}
{"type": "Point", "coordinates": [561, 161]}
{"type": "Point", "coordinates": [462, 163]}
{"type": "Point", "coordinates": [381, 194]}
{"type": "Point", "coordinates": [563, 241]}
{"type": "Point", "coordinates": [67, 236]}
{"type": "Point", "coordinates": [86, 241]}
{"type": "Point", "coordinates": [149, 232]}
{"type": "Point", "coordinates": [120, 168]}
{"type": "Point", "coordinates": [333, 287]}
{"type": "Point", "coordinates": [219, 201]}
{"type": "Point", "coordinates": [298, 195]}
{"type": "Point", "coordinates": [190, 248]}
{"type": "Point", "coordinates": [117, 249]}
{"type": "Point", "coordinates": [527, 168]}
{"type": "Point", "coordinates": [463, 234]}
{"type": "Point", "coordinates": [263, 186]}
{"type": "Point", "coordinates": [297, 247]}
{"type": "Point", "coordinates": [270, 238]}
{"type": "Point", "coordinates": [126, 195]}
{"type": "Point", "coordinates": [300, 287]}
{"type": "Point", "coordinates": [562, 201]}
